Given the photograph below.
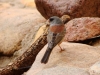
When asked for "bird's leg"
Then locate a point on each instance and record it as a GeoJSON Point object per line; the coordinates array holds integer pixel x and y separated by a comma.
{"type": "Point", "coordinates": [60, 48]}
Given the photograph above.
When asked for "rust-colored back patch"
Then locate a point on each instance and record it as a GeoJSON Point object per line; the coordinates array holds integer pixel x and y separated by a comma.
{"type": "Point", "coordinates": [57, 29]}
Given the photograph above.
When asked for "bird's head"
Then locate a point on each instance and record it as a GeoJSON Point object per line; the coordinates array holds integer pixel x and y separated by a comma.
{"type": "Point", "coordinates": [54, 20]}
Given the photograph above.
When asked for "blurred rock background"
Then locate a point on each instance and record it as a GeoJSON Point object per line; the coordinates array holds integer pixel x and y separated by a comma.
{"type": "Point", "coordinates": [18, 25]}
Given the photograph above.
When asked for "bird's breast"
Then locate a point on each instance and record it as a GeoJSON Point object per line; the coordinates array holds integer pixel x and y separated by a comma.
{"type": "Point", "coordinates": [57, 29]}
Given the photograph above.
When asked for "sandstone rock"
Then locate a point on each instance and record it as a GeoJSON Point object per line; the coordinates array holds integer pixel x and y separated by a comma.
{"type": "Point", "coordinates": [28, 3]}
{"type": "Point", "coordinates": [75, 55]}
{"type": "Point", "coordinates": [14, 26]}
{"type": "Point", "coordinates": [80, 29]}
{"type": "Point", "coordinates": [75, 8]}
{"type": "Point", "coordinates": [95, 69]}
{"type": "Point", "coordinates": [61, 70]}
{"type": "Point", "coordinates": [14, 3]}
{"type": "Point", "coordinates": [4, 6]}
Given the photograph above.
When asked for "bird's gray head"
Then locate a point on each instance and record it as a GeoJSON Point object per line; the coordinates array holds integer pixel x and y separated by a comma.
{"type": "Point", "coordinates": [55, 21]}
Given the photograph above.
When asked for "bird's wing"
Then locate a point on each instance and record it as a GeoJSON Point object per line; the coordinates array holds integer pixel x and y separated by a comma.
{"type": "Point", "coordinates": [51, 39]}
{"type": "Point", "coordinates": [59, 37]}
{"type": "Point", "coordinates": [54, 38]}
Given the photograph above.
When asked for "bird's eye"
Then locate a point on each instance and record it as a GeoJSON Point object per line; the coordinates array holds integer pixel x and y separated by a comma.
{"type": "Point", "coordinates": [51, 19]}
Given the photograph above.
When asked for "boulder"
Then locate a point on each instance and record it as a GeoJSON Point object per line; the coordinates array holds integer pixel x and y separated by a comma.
{"type": "Point", "coordinates": [14, 26]}
{"type": "Point", "coordinates": [74, 60]}
{"type": "Point", "coordinates": [28, 3]}
{"type": "Point", "coordinates": [15, 3]}
{"type": "Point", "coordinates": [95, 69]}
{"type": "Point", "coordinates": [4, 6]}
{"type": "Point", "coordinates": [74, 8]}
{"type": "Point", "coordinates": [80, 29]}
{"type": "Point", "coordinates": [62, 70]}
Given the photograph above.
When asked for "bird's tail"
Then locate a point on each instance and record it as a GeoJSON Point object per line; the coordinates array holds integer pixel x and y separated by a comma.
{"type": "Point", "coordinates": [46, 56]}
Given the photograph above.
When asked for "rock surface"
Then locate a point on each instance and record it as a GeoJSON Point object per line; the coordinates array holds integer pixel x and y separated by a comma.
{"type": "Point", "coordinates": [62, 70]}
{"type": "Point", "coordinates": [17, 29]}
{"type": "Point", "coordinates": [28, 3]}
{"type": "Point", "coordinates": [80, 29]}
{"type": "Point", "coordinates": [14, 26]}
{"type": "Point", "coordinates": [75, 55]}
{"type": "Point", "coordinates": [12, 3]}
{"type": "Point", "coordinates": [75, 8]}
{"type": "Point", "coordinates": [4, 6]}
{"type": "Point", "coordinates": [95, 69]}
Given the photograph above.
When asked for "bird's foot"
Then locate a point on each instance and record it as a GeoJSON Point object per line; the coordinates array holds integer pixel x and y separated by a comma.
{"type": "Point", "coordinates": [61, 50]}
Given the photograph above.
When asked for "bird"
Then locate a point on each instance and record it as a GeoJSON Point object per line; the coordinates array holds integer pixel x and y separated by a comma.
{"type": "Point", "coordinates": [56, 33]}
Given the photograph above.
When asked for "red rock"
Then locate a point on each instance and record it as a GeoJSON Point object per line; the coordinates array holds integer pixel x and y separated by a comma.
{"type": "Point", "coordinates": [75, 8]}
{"type": "Point", "coordinates": [80, 29]}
